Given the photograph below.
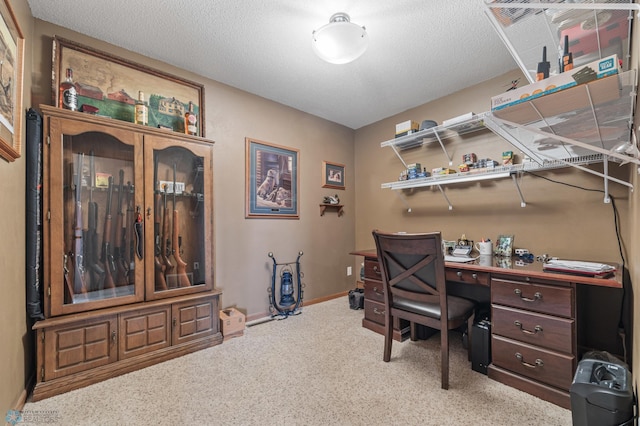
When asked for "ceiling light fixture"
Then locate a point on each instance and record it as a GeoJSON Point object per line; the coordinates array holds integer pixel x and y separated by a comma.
{"type": "Point", "coordinates": [340, 41]}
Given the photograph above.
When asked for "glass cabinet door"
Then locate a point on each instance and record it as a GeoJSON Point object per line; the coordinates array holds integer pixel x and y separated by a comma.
{"type": "Point", "coordinates": [181, 257]}
{"type": "Point", "coordinates": [95, 204]}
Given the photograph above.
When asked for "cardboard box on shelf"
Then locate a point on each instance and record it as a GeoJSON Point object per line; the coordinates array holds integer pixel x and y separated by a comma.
{"type": "Point", "coordinates": [592, 71]}
{"type": "Point", "coordinates": [232, 323]}
{"type": "Point", "coordinates": [406, 127]}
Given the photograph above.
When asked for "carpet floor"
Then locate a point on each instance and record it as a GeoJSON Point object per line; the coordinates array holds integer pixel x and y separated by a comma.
{"type": "Point", "coordinates": [317, 368]}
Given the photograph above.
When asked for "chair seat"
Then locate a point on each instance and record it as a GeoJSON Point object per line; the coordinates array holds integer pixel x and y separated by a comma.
{"type": "Point", "coordinates": [458, 307]}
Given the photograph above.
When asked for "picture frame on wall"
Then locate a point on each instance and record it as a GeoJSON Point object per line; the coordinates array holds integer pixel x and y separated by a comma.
{"type": "Point", "coordinates": [332, 175]}
{"type": "Point", "coordinates": [111, 84]}
{"type": "Point", "coordinates": [504, 245]}
{"type": "Point", "coordinates": [272, 180]}
{"type": "Point", "coordinates": [11, 80]}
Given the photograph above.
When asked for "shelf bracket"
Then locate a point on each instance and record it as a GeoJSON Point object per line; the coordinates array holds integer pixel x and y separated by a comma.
{"type": "Point", "coordinates": [395, 150]}
{"type": "Point", "coordinates": [404, 201]}
{"type": "Point", "coordinates": [445, 197]}
{"type": "Point", "coordinates": [444, 149]}
{"type": "Point", "coordinates": [515, 181]}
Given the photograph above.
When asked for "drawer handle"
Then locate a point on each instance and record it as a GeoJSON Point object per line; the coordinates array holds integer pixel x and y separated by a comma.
{"type": "Point", "coordinates": [375, 269]}
{"type": "Point", "coordinates": [377, 312]}
{"type": "Point", "coordinates": [538, 363]}
{"type": "Point", "coordinates": [375, 290]}
{"type": "Point", "coordinates": [459, 274]}
{"type": "Point", "coordinates": [536, 329]}
{"type": "Point", "coordinates": [113, 336]}
{"type": "Point", "coordinates": [536, 296]}
{"type": "Point", "coordinates": [474, 276]}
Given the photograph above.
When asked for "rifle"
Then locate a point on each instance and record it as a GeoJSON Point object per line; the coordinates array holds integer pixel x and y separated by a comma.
{"type": "Point", "coordinates": [107, 257]}
{"type": "Point", "coordinates": [91, 242]}
{"type": "Point", "coordinates": [128, 236]}
{"type": "Point", "coordinates": [181, 265]}
{"type": "Point", "coordinates": [79, 286]}
{"type": "Point", "coordinates": [164, 251]}
{"type": "Point", "coordinates": [160, 268]}
{"type": "Point", "coordinates": [123, 270]}
{"type": "Point", "coordinates": [68, 289]}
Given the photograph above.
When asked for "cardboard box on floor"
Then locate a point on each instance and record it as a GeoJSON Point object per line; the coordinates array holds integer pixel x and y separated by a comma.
{"type": "Point", "coordinates": [232, 323]}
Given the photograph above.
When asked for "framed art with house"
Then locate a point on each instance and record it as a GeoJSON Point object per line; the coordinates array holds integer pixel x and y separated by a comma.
{"type": "Point", "coordinates": [112, 85]}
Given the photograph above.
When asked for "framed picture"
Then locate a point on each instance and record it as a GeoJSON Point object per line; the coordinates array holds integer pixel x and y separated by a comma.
{"type": "Point", "coordinates": [332, 175]}
{"type": "Point", "coordinates": [504, 245]}
{"type": "Point", "coordinates": [11, 79]}
{"type": "Point", "coordinates": [272, 180]}
{"type": "Point", "coordinates": [112, 84]}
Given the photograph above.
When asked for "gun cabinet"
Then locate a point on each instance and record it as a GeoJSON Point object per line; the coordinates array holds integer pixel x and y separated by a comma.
{"type": "Point", "coordinates": [128, 249]}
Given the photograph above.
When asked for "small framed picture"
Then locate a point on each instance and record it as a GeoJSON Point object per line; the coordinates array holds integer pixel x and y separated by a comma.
{"type": "Point", "coordinates": [504, 245]}
{"type": "Point", "coordinates": [332, 175]}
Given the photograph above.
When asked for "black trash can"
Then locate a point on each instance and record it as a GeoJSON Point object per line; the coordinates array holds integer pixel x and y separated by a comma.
{"type": "Point", "coordinates": [601, 393]}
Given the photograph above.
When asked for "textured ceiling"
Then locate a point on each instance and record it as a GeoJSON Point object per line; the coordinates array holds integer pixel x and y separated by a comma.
{"type": "Point", "coordinates": [419, 50]}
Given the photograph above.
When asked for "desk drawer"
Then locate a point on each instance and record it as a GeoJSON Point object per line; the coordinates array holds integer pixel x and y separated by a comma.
{"type": "Point", "coordinates": [465, 276]}
{"type": "Point", "coordinates": [537, 329]}
{"type": "Point", "coordinates": [373, 291]}
{"type": "Point", "coordinates": [547, 299]}
{"type": "Point", "coordinates": [372, 269]}
{"type": "Point", "coordinates": [552, 368]}
{"type": "Point", "coordinates": [374, 311]}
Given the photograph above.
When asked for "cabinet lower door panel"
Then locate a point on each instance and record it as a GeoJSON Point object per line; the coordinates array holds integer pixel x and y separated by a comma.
{"type": "Point", "coordinates": [552, 368]}
{"type": "Point", "coordinates": [194, 320]}
{"type": "Point", "coordinates": [76, 348]}
{"type": "Point", "coordinates": [144, 331]}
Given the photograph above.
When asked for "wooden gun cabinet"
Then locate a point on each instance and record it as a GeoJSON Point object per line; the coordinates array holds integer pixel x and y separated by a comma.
{"type": "Point", "coordinates": [128, 249]}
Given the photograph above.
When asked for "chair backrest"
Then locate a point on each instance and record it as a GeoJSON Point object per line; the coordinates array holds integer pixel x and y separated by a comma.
{"type": "Point", "coordinates": [412, 267]}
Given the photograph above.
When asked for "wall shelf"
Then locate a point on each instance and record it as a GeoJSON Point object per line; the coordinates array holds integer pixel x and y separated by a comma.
{"type": "Point", "coordinates": [595, 30]}
{"type": "Point", "coordinates": [586, 124]}
{"type": "Point", "coordinates": [336, 207]}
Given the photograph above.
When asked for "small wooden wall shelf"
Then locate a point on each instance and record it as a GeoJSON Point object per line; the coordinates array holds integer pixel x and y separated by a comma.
{"type": "Point", "coordinates": [337, 207]}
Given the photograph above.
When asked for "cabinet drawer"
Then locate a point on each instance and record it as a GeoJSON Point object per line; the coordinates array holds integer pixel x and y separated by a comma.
{"type": "Point", "coordinates": [372, 270]}
{"type": "Point", "coordinates": [538, 329]}
{"type": "Point", "coordinates": [547, 299]}
{"type": "Point", "coordinates": [374, 311]}
{"type": "Point", "coordinates": [552, 368]}
{"type": "Point", "coordinates": [194, 320]}
{"type": "Point", "coordinates": [74, 348]}
{"type": "Point", "coordinates": [469, 277]}
{"type": "Point", "coordinates": [144, 331]}
{"type": "Point", "coordinates": [373, 291]}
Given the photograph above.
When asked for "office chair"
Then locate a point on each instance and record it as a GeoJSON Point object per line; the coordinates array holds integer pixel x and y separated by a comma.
{"type": "Point", "coordinates": [413, 277]}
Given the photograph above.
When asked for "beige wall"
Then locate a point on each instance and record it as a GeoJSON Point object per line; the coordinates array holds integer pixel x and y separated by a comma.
{"type": "Point", "coordinates": [15, 352]}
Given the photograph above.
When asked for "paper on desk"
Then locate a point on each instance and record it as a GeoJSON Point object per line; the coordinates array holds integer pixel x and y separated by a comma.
{"type": "Point", "coordinates": [581, 266]}
{"type": "Point", "coordinates": [459, 259]}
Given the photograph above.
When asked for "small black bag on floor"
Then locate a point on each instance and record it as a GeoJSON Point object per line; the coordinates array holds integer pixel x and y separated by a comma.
{"type": "Point", "coordinates": [356, 298]}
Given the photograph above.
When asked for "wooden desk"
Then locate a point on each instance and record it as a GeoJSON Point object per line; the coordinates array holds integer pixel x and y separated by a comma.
{"type": "Point", "coordinates": [534, 319]}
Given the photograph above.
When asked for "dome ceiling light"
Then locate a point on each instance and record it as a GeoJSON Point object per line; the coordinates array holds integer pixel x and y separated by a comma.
{"type": "Point", "coordinates": [340, 41]}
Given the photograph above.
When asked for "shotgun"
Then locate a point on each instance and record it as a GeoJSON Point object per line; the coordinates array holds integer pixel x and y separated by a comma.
{"type": "Point", "coordinates": [181, 265]}
{"type": "Point", "coordinates": [128, 236]}
{"type": "Point", "coordinates": [79, 286]}
{"type": "Point", "coordinates": [164, 251]}
{"type": "Point", "coordinates": [107, 256]}
{"type": "Point", "coordinates": [96, 273]}
{"type": "Point", "coordinates": [117, 244]}
{"type": "Point", "coordinates": [160, 268]}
